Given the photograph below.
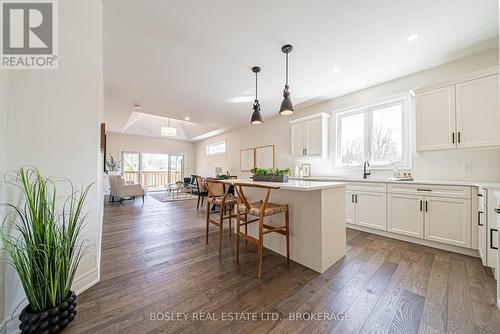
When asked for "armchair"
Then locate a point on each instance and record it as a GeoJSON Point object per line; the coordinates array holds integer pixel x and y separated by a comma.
{"type": "Point", "coordinates": [121, 190]}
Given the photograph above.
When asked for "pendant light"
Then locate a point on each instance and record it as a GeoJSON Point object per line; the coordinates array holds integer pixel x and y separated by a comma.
{"type": "Point", "coordinates": [286, 108]}
{"type": "Point", "coordinates": [168, 130]}
{"type": "Point", "coordinates": [256, 115]}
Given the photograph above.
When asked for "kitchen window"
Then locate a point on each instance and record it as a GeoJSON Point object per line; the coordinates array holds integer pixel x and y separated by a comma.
{"type": "Point", "coordinates": [216, 148]}
{"type": "Point", "coordinates": [377, 133]}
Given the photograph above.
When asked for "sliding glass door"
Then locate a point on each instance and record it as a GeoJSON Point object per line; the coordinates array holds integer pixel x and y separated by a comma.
{"type": "Point", "coordinates": [176, 168]}
{"type": "Point", "coordinates": [131, 167]}
{"type": "Point", "coordinates": [153, 171]}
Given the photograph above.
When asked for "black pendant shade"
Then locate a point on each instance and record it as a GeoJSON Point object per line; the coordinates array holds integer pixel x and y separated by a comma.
{"type": "Point", "coordinates": [256, 115]}
{"type": "Point", "coordinates": [286, 108]}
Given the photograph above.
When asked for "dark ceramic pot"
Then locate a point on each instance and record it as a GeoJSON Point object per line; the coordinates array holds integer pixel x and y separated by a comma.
{"type": "Point", "coordinates": [53, 320]}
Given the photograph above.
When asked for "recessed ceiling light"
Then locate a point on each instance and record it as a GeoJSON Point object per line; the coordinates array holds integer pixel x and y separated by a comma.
{"type": "Point", "coordinates": [241, 99]}
{"type": "Point", "coordinates": [361, 83]}
{"type": "Point", "coordinates": [413, 36]}
{"type": "Point", "coordinates": [336, 69]}
{"type": "Point", "coordinates": [187, 118]}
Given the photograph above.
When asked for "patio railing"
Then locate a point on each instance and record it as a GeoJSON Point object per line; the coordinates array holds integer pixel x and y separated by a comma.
{"type": "Point", "coordinates": [153, 180]}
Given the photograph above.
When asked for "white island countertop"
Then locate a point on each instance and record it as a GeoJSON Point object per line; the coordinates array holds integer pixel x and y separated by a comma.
{"type": "Point", "coordinates": [298, 185]}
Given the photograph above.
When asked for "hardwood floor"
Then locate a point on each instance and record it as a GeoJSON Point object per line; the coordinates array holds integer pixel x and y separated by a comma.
{"type": "Point", "coordinates": [155, 260]}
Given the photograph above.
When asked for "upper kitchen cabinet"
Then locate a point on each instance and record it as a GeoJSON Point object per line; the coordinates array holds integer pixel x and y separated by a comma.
{"type": "Point", "coordinates": [310, 136]}
{"type": "Point", "coordinates": [478, 113]}
{"type": "Point", "coordinates": [435, 119]}
{"type": "Point", "coordinates": [463, 113]}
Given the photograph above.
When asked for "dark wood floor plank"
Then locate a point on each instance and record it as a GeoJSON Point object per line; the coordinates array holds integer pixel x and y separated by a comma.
{"type": "Point", "coordinates": [366, 300]}
{"type": "Point", "coordinates": [460, 317]}
{"type": "Point", "coordinates": [383, 313]}
{"type": "Point", "coordinates": [407, 319]}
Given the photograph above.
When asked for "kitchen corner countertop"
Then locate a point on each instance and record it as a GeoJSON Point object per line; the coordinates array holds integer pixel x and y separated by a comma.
{"type": "Point", "coordinates": [292, 184]}
{"type": "Point", "coordinates": [480, 184]}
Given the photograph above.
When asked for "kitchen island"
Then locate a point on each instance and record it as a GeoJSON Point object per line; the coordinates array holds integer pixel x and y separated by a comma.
{"type": "Point", "coordinates": [317, 220]}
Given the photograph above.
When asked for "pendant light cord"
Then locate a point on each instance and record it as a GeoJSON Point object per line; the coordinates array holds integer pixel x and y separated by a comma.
{"type": "Point", "coordinates": [286, 84]}
{"type": "Point", "coordinates": [256, 86]}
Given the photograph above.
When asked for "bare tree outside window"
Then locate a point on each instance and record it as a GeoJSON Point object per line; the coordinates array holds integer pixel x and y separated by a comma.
{"type": "Point", "coordinates": [384, 145]}
{"type": "Point", "coordinates": [377, 134]}
{"type": "Point", "coordinates": [353, 152]}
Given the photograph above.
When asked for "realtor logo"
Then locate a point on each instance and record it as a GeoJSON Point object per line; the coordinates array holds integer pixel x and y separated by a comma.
{"type": "Point", "coordinates": [29, 34]}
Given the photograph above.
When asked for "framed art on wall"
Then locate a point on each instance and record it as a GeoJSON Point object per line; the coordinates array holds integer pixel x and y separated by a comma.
{"type": "Point", "coordinates": [265, 157]}
{"type": "Point", "coordinates": [306, 169]}
{"type": "Point", "coordinates": [247, 159]}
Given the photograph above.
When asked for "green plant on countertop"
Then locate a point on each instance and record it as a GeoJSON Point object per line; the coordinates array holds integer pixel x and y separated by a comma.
{"type": "Point", "coordinates": [270, 171]}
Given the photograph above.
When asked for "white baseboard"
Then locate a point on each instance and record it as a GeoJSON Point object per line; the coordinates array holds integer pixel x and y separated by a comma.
{"type": "Point", "coordinates": [83, 283]}
{"type": "Point", "coordinates": [86, 281]}
{"type": "Point", "coordinates": [429, 243]}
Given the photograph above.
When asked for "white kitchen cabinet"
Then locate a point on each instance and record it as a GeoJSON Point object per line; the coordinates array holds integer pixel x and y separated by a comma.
{"type": "Point", "coordinates": [298, 139]}
{"type": "Point", "coordinates": [310, 136]}
{"type": "Point", "coordinates": [435, 119]}
{"type": "Point", "coordinates": [448, 220]}
{"type": "Point", "coordinates": [371, 210]}
{"type": "Point", "coordinates": [459, 114]}
{"type": "Point", "coordinates": [479, 223]}
{"type": "Point", "coordinates": [478, 113]}
{"type": "Point", "coordinates": [314, 137]}
{"type": "Point", "coordinates": [492, 229]}
{"type": "Point", "coordinates": [349, 207]}
{"type": "Point", "coordinates": [366, 208]}
{"type": "Point", "coordinates": [406, 215]}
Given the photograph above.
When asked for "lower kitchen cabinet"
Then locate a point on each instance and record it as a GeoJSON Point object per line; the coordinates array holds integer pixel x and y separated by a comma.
{"type": "Point", "coordinates": [367, 209]}
{"type": "Point", "coordinates": [406, 215]}
{"type": "Point", "coordinates": [448, 220]}
{"type": "Point", "coordinates": [349, 207]}
{"type": "Point", "coordinates": [437, 213]}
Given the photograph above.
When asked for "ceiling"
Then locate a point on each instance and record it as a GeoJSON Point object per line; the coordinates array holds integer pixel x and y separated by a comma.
{"type": "Point", "coordinates": [193, 59]}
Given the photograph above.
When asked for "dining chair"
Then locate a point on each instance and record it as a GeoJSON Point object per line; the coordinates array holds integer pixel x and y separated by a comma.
{"type": "Point", "coordinates": [202, 190]}
{"type": "Point", "coordinates": [218, 195]}
{"type": "Point", "coordinates": [260, 209]}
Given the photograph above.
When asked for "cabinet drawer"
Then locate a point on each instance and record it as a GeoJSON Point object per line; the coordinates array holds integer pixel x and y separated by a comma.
{"type": "Point", "coordinates": [368, 186]}
{"type": "Point", "coordinates": [431, 190]}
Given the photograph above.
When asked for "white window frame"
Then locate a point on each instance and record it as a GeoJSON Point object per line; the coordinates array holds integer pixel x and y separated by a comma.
{"type": "Point", "coordinates": [405, 101]}
{"type": "Point", "coordinates": [215, 144]}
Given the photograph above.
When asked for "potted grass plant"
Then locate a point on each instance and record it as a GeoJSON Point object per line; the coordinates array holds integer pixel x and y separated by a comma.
{"type": "Point", "coordinates": [42, 239]}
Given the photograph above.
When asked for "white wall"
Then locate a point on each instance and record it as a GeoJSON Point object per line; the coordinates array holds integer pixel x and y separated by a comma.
{"type": "Point", "coordinates": [117, 142]}
{"type": "Point", "coordinates": [53, 123]}
{"type": "Point", "coordinates": [431, 165]}
{"type": "Point", "coordinates": [4, 86]}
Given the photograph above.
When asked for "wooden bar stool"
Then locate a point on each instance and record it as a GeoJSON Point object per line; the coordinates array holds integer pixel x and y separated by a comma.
{"type": "Point", "coordinates": [218, 194]}
{"type": "Point", "coordinates": [261, 210]}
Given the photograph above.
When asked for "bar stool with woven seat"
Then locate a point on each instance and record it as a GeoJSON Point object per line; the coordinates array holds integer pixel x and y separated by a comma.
{"type": "Point", "coordinates": [218, 194]}
{"type": "Point", "coordinates": [261, 210]}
